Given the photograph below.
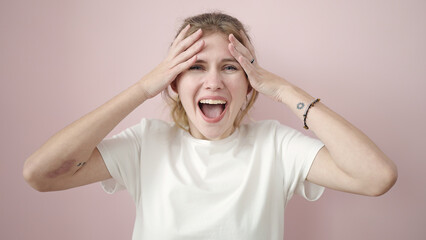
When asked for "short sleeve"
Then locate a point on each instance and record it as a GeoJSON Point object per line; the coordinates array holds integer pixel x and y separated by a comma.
{"type": "Point", "coordinates": [298, 153]}
{"type": "Point", "coordinates": [121, 155]}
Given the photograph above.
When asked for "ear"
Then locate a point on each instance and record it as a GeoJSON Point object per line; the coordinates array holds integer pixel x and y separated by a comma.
{"type": "Point", "coordinates": [173, 85]}
{"type": "Point", "coordinates": [249, 88]}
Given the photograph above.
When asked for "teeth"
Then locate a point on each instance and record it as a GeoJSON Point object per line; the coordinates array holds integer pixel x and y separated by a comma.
{"type": "Point", "coordinates": [211, 101]}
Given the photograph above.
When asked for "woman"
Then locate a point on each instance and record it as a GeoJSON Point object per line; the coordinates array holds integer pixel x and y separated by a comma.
{"type": "Point", "coordinates": [207, 176]}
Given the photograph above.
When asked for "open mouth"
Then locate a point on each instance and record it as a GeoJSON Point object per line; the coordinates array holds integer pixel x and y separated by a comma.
{"type": "Point", "coordinates": [213, 109]}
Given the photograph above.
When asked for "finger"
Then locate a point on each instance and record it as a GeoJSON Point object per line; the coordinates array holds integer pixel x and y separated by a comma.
{"type": "Point", "coordinates": [234, 51]}
{"type": "Point", "coordinates": [240, 47]}
{"type": "Point", "coordinates": [251, 71]}
{"type": "Point", "coordinates": [242, 60]}
{"type": "Point", "coordinates": [181, 35]}
{"type": "Point", "coordinates": [188, 53]}
{"type": "Point", "coordinates": [237, 54]}
{"type": "Point", "coordinates": [248, 67]}
{"type": "Point", "coordinates": [184, 65]}
{"type": "Point", "coordinates": [186, 43]}
{"type": "Point", "coordinates": [247, 43]}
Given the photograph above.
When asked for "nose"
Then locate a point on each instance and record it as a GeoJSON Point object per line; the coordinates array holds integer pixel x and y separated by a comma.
{"type": "Point", "coordinates": [213, 80]}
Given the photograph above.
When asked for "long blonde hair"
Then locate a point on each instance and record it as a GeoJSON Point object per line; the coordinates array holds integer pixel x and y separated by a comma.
{"type": "Point", "coordinates": [214, 22]}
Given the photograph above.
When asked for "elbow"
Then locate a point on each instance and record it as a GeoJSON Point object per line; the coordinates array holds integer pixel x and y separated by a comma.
{"type": "Point", "coordinates": [32, 177]}
{"type": "Point", "coordinates": [384, 182]}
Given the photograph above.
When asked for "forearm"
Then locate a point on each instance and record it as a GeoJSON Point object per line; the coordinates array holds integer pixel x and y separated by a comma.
{"type": "Point", "coordinates": [351, 150]}
{"type": "Point", "coordinates": [66, 152]}
{"type": "Point", "coordinates": [75, 143]}
{"type": "Point", "coordinates": [350, 161]}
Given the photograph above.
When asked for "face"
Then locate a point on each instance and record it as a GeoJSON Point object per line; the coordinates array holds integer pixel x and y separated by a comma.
{"type": "Point", "coordinates": [213, 90]}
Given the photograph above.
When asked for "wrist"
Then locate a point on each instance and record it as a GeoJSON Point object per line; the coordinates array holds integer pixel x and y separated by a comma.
{"type": "Point", "coordinates": [142, 89]}
{"type": "Point", "coordinates": [279, 89]}
{"type": "Point", "coordinates": [296, 99]}
{"type": "Point", "coordinates": [288, 93]}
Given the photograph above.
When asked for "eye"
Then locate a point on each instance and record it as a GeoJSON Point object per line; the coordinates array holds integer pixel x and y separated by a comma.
{"type": "Point", "coordinates": [230, 68]}
{"type": "Point", "coordinates": [196, 67]}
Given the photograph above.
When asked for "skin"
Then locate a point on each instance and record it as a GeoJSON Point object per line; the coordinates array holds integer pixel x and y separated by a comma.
{"type": "Point", "coordinates": [216, 73]}
{"type": "Point", "coordinates": [78, 141]}
{"type": "Point", "coordinates": [349, 162]}
{"type": "Point", "coordinates": [64, 168]}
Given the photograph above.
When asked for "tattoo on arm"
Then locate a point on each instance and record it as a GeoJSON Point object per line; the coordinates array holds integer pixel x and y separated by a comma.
{"type": "Point", "coordinates": [81, 164]}
{"type": "Point", "coordinates": [64, 168]}
{"type": "Point", "coordinates": [300, 105]}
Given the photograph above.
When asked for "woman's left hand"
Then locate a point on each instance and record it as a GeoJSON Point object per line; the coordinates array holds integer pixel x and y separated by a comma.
{"type": "Point", "coordinates": [260, 79]}
{"type": "Point", "coordinates": [360, 168]}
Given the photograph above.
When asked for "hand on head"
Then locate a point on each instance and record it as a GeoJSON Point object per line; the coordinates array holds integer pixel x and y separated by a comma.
{"type": "Point", "coordinates": [181, 55]}
{"type": "Point", "coordinates": [260, 79]}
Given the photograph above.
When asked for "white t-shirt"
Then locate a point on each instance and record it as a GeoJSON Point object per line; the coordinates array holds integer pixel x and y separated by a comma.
{"type": "Point", "coordinates": [186, 188]}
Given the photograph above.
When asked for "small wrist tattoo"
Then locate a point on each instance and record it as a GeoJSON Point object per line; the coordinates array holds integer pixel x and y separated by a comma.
{"type": "Point", "coordinates": [81, 164]}
{"type": "Point", "coordinates": [300, 105]}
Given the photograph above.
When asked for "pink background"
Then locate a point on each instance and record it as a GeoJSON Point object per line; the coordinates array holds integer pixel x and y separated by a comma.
{"type": "Point", "coordinates": [364, 59]}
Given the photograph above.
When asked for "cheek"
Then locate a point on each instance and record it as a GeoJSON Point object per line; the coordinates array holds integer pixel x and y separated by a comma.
{"type": "Point", "coordinates": [186, 91]}
{"type": "Point", "coordinates": [239, 86]}
{"type": "Point", "coordinates": [184, 85]}
{"type": "Point", "coordinates": [239, 94]}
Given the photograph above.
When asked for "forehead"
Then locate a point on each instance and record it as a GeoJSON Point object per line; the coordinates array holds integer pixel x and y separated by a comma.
{"type": "Point", "coordinates": [216, 47]}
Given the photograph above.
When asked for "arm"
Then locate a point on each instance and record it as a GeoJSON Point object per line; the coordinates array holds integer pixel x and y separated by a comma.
{"type": "Point", "coordinates": [350, 161]}
{"type": "Point", "coordinates": [70, 157]}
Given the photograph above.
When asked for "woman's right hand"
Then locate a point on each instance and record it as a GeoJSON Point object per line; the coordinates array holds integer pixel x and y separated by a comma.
{"type": "Point", "coordinates": [181, 55]}
{"type": "Point", "coordinates": [70, 158]}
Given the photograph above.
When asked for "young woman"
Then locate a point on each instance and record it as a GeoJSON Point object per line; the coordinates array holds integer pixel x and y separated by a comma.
{"type": "Point", "coordinates": [207, 176]}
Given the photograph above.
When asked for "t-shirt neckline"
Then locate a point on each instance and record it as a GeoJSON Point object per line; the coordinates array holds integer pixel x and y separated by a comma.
{"type": "Point", "coordinates": [187, 135]}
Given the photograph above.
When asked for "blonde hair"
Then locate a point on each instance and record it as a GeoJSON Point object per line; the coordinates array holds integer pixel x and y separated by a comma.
{"type": "Point", "coordinates": [214, 22]}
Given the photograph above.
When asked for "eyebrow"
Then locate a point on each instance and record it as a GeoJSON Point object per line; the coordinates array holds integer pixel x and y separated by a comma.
{"type": "Point", "coordinates": [223, 60]}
